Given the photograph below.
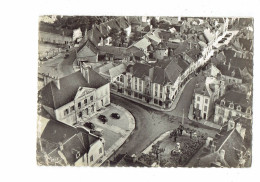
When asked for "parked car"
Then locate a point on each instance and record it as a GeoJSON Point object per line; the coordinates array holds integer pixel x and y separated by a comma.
{"type": "Point", "coordinates": [115, 115]}
{"type": "Point", "coordinates": [97, 131]}
{"type": "Point", "coordinates": [102, 118]}
{"type": "Point", "coordinates": [221, 41]}
{"type": "Point", "coordinates": [89, 125]}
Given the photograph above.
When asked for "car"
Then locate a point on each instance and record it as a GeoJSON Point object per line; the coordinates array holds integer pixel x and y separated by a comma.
{"type": "Point", "coordinates": [228, 35]}
{"type": "Point", "coordinates": [89, 125]}
{"type": "Point", "coordinates": [102, 118]}
{"type": "Point", "coordinates": [115, 115]}
{"type": "Point", "coordinates": [99, 132]}
{"type": "Point", "coordinates": [221, 41]}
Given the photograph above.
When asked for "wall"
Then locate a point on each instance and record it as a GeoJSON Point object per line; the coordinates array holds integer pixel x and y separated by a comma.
{"type": "Point", "coordinates": [202, 104]}
{"type": "Point", "coordinates": [94, 151]}
{"type": "Point", "coordinates": [50, 37]}
{"type": "Point", "coordinates": [103, 94]}
{"type": "Point", "coordinates": [70, 118]}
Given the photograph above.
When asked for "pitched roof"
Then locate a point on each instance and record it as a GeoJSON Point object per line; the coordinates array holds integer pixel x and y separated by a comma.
{"type": "Point", "coordinates": [141, 44]}
{"type": "Point", "coordinates": [117, 70]}
{"type": "Point", "coordinates": [241, 63]}
{"type": "Point", "coordinates": [122, 22]}
{"type": "Point", "coordinates": [153, 37]}
{"type": "Point", "coordinates": [75, 141]}
{"type": "Point", "coordinates": [53, 97]}
{"type": "Point", "coordinates": [236, 98]}
{"type": "Point", "coordinates": [232, 71]}
{"type": "Point", "coordinates": [246, 43]}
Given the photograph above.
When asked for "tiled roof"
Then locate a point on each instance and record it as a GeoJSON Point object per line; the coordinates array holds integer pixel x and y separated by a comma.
{"type": "Point", "coordinates": [236, 98]}
{"type": "Point", "coordinates": [241, 63]}
{"type": "Point", "coordinates": [117, 70]}
{"type": "Point", "coordinates": [140, 70]}
{"type": "Point", "coordinates": [153, 37]}
{"type": "Point", "coordinates": [246, 43]}
{"type": "Point", "coordinates": [53, 97]}
{"type": "Point", "coordinates": [76, 142]}
{"type": "Point", "coordinates": [117, 51]}
{"type": "Point", "coordinates": [225, 70]}
{"type": "Point", "coordinates": [141, 44]}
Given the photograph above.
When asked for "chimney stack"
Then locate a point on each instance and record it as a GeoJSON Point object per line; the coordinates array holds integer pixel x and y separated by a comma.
{"type": "Point", "coordinates": [85, 73]}
{"type": "Point", "coordinates": [212, 148]}
{"type": "Point", "coordinates": [238, 127]}
{"type": "Point", "coordinates": [231, 124]}
{"type": "Point", "coordinates": [57, 82]}
{"type": "Point", "coordinates": [229, 66]}
{"type": "Point", "coordinates": [222, 154]}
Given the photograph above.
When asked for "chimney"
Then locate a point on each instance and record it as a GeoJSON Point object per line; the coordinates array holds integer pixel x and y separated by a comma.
{"type": "Point", "coordinates": [233, 73]}
{"type": "Point", "coordinates": [238, 127]}
{"type": "Point", "coordinates": [209, 141]}
{"type": "Point", "coordinates": [231, 124]}
{"type": "Point", "coordinates": [229, 66]}
{"type": "Point", "coordinates": [85, 73]}
{"type": "Point", "coordinates": [212, 148]}
{"type": "Point", "coordinates": [222, 154]}
{"type": "Point", "coordinates": [57, 82]}
{"type": "Point", "coordinates": [151, 70]}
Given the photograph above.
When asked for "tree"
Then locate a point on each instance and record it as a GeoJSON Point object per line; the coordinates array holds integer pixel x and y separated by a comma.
{"type": "Point", "coordinates": [122, 35]}
{"type": "Point", "coordinates": [154, 22]}
{"type": "Point", "coordinates": [156, 150]}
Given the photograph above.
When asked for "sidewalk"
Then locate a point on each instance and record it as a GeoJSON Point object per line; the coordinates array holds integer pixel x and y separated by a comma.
{"type": "Point", "coordinates": [202, 121]}
{"type": "Point", "coordinates": [124, 133]}
{"type": "Point", "coordinates": [149, 148]}
{"type": "Point", "coordinates": [173, 106]}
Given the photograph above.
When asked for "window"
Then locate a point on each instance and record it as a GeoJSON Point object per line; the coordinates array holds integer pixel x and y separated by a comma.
{"type": "Point", "coordinates": [161, 88]}
{"type": "Point", "coordinates": [121, 78]}
{"type": "Point", "coordinates": [85, 101]}
{"type": "Point", "coordinates": [91, 158]}
{"type": "Point", "coordinates": [231, 105]}
{"type": "Point", "coordinates": [206, 101]}
{"type": "Point", "coordinates": [155, 93]}
{"type": "Point", "coordinates": [72, 108]}
{"type": "Point", "coordinates": [117, 78]}
{"type": "Point", "coordinates": [160, 95]}
{"type": "Point", "coordinates": [136, 94]}
{"type": "Point", "coordinates": [66, 111]}
{"type": "Point", "coordinates": [100, 150]}
{"type": "Point", "coordinates": [198, 98]}
{"type": "Point", "coordinates": [239, 108]}
{"type": "Point", "coordinates": [205, 108]}
{"type": "Point", "coordinates": [91, 98]}
{"type": "Point", "coordinates": [79, 105]}
{"type": "Point", "coordinates": [198, 106]}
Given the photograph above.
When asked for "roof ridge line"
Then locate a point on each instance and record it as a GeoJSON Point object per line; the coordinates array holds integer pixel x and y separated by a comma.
{"type": "Point", "coordinates": [226, 139]}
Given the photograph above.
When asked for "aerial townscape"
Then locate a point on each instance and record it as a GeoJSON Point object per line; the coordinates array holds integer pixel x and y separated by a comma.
{"type": "Point", "coordinates": [145, 91]}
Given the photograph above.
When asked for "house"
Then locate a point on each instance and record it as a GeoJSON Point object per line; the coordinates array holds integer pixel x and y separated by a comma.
{"type": "Point", "coordinates": [156, 84]}
{"type": "Point", "coordinates": [76, 96]}
{"type": "Point", "coordinates": [87, 52]}
{"type": "Point", "coordinates": [227, 149]}
{"type": "Point", "coordinates": [140, 48]}
{"type": "Point", "coordinates": [112, 71]}
{"type": "Point", "coordinates": [50, 34]}
{"type": "Point", "coordinates": [61, 145]}
{"type": "Point", "coordinates": [231, 104]}
{"type": "Point", "coordinates": [161, 51]}
{"type": "Point", "coordinates": [205, 94]}
{"type": "Point", "coordinates": [231, 74]}
{"type": "Point", "coordinates": [112, 53]}
{"type": "Point", "coordinates": [155, 40]}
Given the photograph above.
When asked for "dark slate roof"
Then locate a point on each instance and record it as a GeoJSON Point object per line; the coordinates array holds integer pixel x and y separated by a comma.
{"type": "Point", "coordinates": [89, 44]}
{"type": "Point", "coordinates": [122, 22]}
{"type": "Point", "coordinates": [237, 98]}
{"type": "Point", "coordinates": [56, 132]}
{"type": "Point", "coordinates": [140, 70]}
{"type": "Point", "coordinates": [193, 53]}
{"type": "Point", "coordinates": [241, 63]}
{"type": "Point", "coordinates": [229, 142]}
{"type": "Point", "coordinates": [73, 140]}
{"type": "Point", "coordinates": [53, 97]}
{"type": "Point", "coordinates": [161, 72]}
{"type": "Point", "coordinates": [113, 24]}
{"type": "Point", "coordinates": [117, 51]}
{"type": "Point", "coordinates": [94, 35]}
{"type": "Point", "coordinates": [229, 71]}
{"type": "Point", "coordinates": [229, 53]}
{"type": "Point", "coordinates": [246, 43]}
{"type": "Point", "coordinates": [49, 28]}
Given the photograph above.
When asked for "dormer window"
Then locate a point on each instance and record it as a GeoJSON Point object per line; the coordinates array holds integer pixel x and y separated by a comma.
{"type": "Point", "coordinates": [238, 108]}
{"type": "Point", "coordinates": [222, 102]}
{"type": "Point", "coordinates": [231, 106]}
{"type": "Point", "coordinates": [77, 154]}
{"type": "Point", "coordinates": [248, 111]}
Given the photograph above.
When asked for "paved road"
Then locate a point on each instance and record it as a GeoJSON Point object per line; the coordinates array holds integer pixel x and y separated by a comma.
{"type": "Point", "coordinates": [149, 125]}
